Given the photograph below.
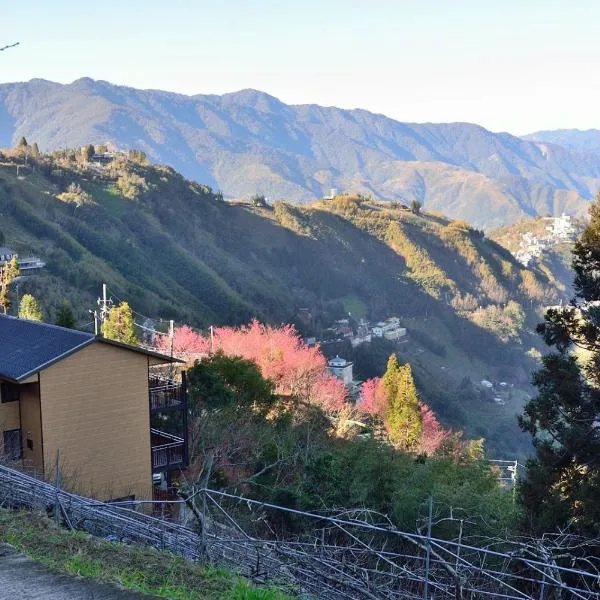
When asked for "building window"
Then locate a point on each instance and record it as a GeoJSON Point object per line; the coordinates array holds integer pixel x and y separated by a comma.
{"type": "Point", "coordinates": [12, 444]}
{"type": "Point", "coordinates": [10, 392]}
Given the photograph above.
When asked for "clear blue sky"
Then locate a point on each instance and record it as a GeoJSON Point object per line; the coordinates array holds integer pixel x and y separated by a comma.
{"type": "Point", "coordinates": [509, 65]}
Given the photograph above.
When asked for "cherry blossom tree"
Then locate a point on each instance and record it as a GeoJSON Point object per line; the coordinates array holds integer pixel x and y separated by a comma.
{"type": "Point", "coordinates": [297, 370]}
{"type": "Point", "coordinates": [188, 344]}
{"type": "Point", "coordinates": [433, 435]}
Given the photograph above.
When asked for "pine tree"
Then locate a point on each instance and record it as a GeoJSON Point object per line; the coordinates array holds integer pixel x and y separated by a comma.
{"type": "Point", "coordinates": [30, 309]}
{"type": "Point", "coordinates": [562, 482]}
{"type": "Point", "coordinates": [403, 414]}
{"type": "Point", "coordinates": [8, 272]}
{"type": "Point", "coordinates": [119, 325]}
{"type": "Point", "coordinates": [22, 143]}
{"type": "Point", "coordinates": [88, 152]}
{"type": "Point", "coordinates": [35, 150]}
{"type": "Point", "coordinates": [65, 316]}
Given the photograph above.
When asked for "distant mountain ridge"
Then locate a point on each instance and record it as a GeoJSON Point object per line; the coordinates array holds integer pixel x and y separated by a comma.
{"type": "Point", "coordinates": [250, 142]}
{"type": "Point", "coordinates": [575, 140]}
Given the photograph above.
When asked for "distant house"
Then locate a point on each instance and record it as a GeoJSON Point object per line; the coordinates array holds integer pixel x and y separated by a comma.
{"type": "Point", "coordinates": [389, 329]}
{"type": "Point", "coordinates": [378, 329]}
{"type": "Point", "coordinates": [27, 265]}
{"type": "Point", "coordinates": [103, 158]}
{"type": "Point", "coordinates": [363, 335]}
{"type": "Point", "coordinates": [91, 403]}
{"type": "Point", "coordinates": [6, 255]}
{"type": "Point", "coordinates": [341, 368]}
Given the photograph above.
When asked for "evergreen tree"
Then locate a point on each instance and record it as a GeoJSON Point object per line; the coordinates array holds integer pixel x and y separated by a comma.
{"type": "Point", "coordinates": [35, 150]}
{"type": "Point", "coordinates": [119, 325]}
{"type": "Point", "coordinates": [403, 413]}
{"type": "Point", "coordinates": [29, 308]}
{"type": "Point", "coordinates": [415, 206]}
{"type": "Point", "coordinates": [562, 482]}
{"type": "Point", "coordinates": [88, 152]}
{"type": "Point", "coordinates": [8, 272]}
{"type": "Point", "coordinates": [22, 143]}
{"type": "Point", "coordinates": [65, 316]}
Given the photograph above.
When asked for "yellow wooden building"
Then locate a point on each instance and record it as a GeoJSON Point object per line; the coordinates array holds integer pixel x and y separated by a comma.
{"type": "Point", "coordinates": [86, 402]}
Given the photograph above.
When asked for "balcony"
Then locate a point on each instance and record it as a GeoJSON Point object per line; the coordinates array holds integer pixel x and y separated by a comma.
{"type": "Point", "coordinates": [165, 396]}
{"type": "Point", "coordinates": [168, 451]}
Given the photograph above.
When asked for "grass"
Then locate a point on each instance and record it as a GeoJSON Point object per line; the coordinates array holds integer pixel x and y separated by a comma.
{"type": "Point", "coordinates": [130, 567]}
{"type": "Point", "coordinates": [355, 306]}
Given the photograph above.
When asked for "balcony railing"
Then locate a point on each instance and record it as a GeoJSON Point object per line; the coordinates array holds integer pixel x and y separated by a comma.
{"type": "Point", "coordinates": [166, 396]}
{"type": "Point", "coordinates": [168, 451]}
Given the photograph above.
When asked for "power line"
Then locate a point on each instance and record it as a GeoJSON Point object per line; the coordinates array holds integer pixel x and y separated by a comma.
{"type": "Point", "coordinates": [208, 330]}
{"type": "Point", "coordinates": [9, 46]}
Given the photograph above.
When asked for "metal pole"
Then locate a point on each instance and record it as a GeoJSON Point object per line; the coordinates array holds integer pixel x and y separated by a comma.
{"type": "Point", "coordinates": [57, 487]}
{"type": "Point", "coordinates": [171, 334]}
{"type": "Point", "coordinates": [429, 520]}
{"type": "Point", "coordinates": [457, 566]}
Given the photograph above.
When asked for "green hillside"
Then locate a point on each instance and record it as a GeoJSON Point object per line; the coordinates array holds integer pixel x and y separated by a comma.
{"type": "Point", "coordinates": [176, 250]}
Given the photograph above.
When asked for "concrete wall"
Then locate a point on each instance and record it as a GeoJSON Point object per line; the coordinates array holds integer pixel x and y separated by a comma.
{"type": "Point", "coordinates": [95, 409]}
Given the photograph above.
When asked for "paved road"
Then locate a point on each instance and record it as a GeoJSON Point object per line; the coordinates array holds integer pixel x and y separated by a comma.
{"type": "Point", "coordinates": [21, 577]}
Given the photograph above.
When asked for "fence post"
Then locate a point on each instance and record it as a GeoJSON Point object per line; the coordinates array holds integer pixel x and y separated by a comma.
{"type": "Point", "coordinates": [543, 587]}
{"type": "Point", "coordinates": [428, 554]}
{"type": "Point", "coordinates": [458, 585]}
{"type": "Point", "coordinates": [57, 483]}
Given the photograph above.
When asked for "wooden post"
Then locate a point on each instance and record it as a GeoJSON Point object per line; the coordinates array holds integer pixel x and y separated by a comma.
{"type": "Point", "coordinates": [428, 554]}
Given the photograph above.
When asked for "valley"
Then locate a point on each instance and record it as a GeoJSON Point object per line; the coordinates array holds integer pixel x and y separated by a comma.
{"type": "Point", "coordinates": [176, 250]}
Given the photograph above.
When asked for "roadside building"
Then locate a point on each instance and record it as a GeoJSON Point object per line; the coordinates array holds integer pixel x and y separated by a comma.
{"type": "Point", "coordinates": [95, 405]}
{"type": "Point", "coordinates": [342, 369]}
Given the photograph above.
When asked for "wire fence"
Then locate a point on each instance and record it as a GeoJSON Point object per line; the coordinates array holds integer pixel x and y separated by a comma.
{"type": "Point", "coordinates": [354, 554]}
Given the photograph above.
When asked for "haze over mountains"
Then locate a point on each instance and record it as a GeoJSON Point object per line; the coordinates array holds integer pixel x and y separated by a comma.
{"type": "Point", "coordinates": [248, 142]}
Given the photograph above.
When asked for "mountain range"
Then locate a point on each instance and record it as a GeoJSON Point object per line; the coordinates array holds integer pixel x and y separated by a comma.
{"type": "Point", "coordinates": [249, 142]}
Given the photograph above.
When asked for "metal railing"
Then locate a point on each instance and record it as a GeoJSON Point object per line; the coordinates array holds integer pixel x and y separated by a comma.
{"type": "Point", "coordinates": [347, 554]}
{"type": "Point", "coordinates": [167, 450]}
{"type": "Point", "coordinates": [166, 396]}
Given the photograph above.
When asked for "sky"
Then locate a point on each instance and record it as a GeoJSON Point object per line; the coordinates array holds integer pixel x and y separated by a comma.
{"type": "Point", "coordinates": [516, 66]}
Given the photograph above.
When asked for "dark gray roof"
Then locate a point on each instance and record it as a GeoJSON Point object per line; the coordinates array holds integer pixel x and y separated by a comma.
{"type": "Point", "coordinates": [27, 347]}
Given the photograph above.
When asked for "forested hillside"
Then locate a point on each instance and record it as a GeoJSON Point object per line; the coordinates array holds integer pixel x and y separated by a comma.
{"type": "Point", "coordinates": [250, 142]}
{"type": "Point", "coordinates": [176, 250]}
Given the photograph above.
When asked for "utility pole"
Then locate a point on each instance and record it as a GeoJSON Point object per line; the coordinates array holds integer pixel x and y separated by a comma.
{"type": "Point", "coordinates": [212, 340]}
{"type": "Point", "coordinates": [171, 335]}
{"type": "Point", "coordinates": [105, 304]}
